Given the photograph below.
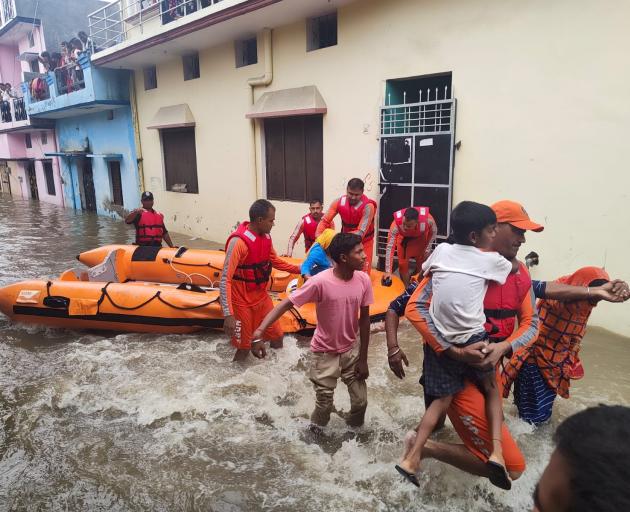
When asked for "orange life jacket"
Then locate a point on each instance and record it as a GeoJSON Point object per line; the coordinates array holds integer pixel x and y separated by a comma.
{"type": "Point", "coordinates": [423, 222]}
{"type": "Point", "coordinates": [150, 228]}
{"type": "Point", "coordinates": [351, 215]}
{"type": "Point", "coordinates": [309, 226]}
{"type": "Point", "coordinates": [256, 268]}
{"type": "Point", "coordinates": [502, 303]}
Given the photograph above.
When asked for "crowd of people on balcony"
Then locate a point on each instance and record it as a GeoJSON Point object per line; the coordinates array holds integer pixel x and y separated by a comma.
{"type": "Point", "coordinates": [9, 95]}
{"type": "Point", "coordinates": [65, 65]}
{"type": "Point", "coordinates": [175, 9]}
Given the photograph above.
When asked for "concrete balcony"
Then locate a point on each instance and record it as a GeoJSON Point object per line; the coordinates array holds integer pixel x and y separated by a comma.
{"type": "Point", "coordinates": [132, 33]}
{"type": "Point", "coordinates": [77, 89]}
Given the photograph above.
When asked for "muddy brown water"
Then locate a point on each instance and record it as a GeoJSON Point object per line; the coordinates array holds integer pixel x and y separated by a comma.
{"type": "Point", "coordinates": [134, 422]}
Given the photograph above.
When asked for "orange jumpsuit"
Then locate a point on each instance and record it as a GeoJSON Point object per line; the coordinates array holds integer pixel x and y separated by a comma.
{"type": "Point", "coordinates": [467, 410]}
{"type": "Point", "coordinates": [416, 248]}
{"type": "Point", "coordinates": [366, 221]}
{"type": "Point", "coordinates": [249, 307]}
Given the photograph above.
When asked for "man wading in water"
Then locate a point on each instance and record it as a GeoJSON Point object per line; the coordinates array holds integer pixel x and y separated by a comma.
{"type": "Point", "coordinates": [249, 258]}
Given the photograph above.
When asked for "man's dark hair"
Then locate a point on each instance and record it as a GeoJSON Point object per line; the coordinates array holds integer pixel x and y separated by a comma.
{"type": "Point", "coordinates": [82, 35]}
{"type": "Point", "coordinates": [411, 214]}
{"type": "Point", "coordinates": [469, 216]}
{"type": "Point", "coordinates": [342, 243]}
{"type": "Point", "coordinates": [356, 184]}
{"type": "Point", "coordinates": [314, 201]}
{"type": "Point", "coordinates": [594, 443]}
{"type": "Point", "coordinates": [45, 54]}
{"type": "Point", "coordinates": [259, 208]}
{"type": "Point", "coordinates": [598, 282]}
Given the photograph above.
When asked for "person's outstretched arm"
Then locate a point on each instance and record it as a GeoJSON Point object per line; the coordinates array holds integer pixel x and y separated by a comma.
{"type": "Point", "coordinates": [258, 347]}
{"type": "Point", "coordinates": [613, 291]}
{"type": "Point", "coordinates": [326, 221]}
{"type": "Point", "coordinates": [294, 238]}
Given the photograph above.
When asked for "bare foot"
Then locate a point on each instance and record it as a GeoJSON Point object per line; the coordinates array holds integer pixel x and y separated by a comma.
{"type": "Point", "coordinates": [410, 466]}
{"type": "Point", "coordinates": [408, 441]}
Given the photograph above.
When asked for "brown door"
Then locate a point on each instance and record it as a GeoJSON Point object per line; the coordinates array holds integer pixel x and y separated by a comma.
{"type": "Point", "coordinates": [89, 199]}
{"type": "Point", "coordinates": [32, 179]}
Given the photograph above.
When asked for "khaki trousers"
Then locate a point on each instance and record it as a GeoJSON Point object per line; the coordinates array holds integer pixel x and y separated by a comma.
{"type": "Point", "coordinates": [325, 369]}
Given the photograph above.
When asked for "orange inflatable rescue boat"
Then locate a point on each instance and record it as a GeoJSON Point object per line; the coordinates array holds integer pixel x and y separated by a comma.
{"type": "Point", "coordinates": [103, 298]}
{"type": "Point", "coordinates": [173, 265]}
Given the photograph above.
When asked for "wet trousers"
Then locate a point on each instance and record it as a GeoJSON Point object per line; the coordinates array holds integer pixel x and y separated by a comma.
{"type": "Point", "coordinates": [326, 369]}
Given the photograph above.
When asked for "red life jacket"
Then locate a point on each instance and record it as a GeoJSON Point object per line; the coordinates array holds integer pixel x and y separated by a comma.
{"type": "Point", "coordinates": [309, 226]}
{"type": "Point", "coordinates": [256, 269]}
{"type": "Point", "coordinates": [150, 228]}
{"type": "Point", "coordinates": [351, 215]}
{"type": "Point", "coordinates": [423, 222]}
{"type": "Point", "coordinates": [502, 303]}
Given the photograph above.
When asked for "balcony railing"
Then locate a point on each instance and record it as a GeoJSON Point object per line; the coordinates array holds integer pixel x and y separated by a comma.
{"type": "Point", "coordinates": [7, 11]}
{"type": "Point", "coordinates": [13, 110]}
{"type": "Point", "coordinates": [69, 78]}
{"type": "Point", "coordinates": [112, 24]}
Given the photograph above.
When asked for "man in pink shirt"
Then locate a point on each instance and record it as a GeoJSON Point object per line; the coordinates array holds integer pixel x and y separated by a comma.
{"type": "Point", "coordinates": [342, 296]}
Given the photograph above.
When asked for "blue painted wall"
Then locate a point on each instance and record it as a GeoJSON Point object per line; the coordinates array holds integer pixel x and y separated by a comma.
{"type": "Point", "coordinates": [98, 135]}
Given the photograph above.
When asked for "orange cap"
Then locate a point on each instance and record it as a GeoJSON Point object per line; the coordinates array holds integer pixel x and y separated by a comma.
{"type": "Point", "coordinates": [513, 213]}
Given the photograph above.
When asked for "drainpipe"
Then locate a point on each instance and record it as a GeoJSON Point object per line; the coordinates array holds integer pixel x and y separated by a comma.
{"type": "Point", "coordinates": [61, 184]}
{"type": "Point", "coordinates": [136, 130]}
{"type": "Point", "coordinates": [260, 81]}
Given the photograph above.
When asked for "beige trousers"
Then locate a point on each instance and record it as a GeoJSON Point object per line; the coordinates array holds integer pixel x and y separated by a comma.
{"type": "Point", "coordinates": [324, 372]}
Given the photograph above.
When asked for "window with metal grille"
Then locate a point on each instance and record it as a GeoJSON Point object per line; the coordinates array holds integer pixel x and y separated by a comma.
{"type": "Point", "coordinates": [150, 78]}
{"type": "Point", "coordinates": [44, 138]}
{"type": "Point", "coordinates": [34, 66]}
{"type": "Point", "coordinates": [27, 140]}
{"type": "Point", "coordinates": [294, 158]}
{"type": "Point", "coordinates": [114, 176]}
{"type": "Point", "coordinates": [180, 159]}
{"type": "Point", "coordinates": [246, 51]}
{"type": "Point", "coordinates": [321, 32]}
{"type": "Point", "coordinates": [50, 178]}
{"type": "Point", "coordinates": [190, 64]}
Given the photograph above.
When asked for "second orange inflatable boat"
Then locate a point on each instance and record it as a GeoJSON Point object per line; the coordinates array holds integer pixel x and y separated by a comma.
{"type": "Point", "coordinates": [178, 265]}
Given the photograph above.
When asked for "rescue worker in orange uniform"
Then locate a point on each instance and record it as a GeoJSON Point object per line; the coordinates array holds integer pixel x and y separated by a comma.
{"type": "Point", "coordinates": [504, 305]}
{"type": "Point", "coordinates": [357, 214]}
{"type": "Point", "coordinates": [249, 258]}
{"type": "Point", "coordinates": [307, 226]}
{"type": "Point", "coordinates": [149, 223]}
{"type": "Point", "coordinates": [411, 236]}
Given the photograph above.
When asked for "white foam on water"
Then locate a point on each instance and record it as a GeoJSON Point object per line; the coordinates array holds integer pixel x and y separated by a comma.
{"type": "Point", "coordinates": [159, 422]}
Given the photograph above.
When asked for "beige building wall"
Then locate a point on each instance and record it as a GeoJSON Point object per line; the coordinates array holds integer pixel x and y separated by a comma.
{"type": "Point", "coordinates": [542, 117]}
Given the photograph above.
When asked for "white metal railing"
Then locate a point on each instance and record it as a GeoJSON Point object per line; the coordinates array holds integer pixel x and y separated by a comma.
{"type": "Point", "coordinates": [7, 10]}
{"type": "Point", "coordinates": [111, 25]}
{"type": "Point", "coordinates": [434, 113]}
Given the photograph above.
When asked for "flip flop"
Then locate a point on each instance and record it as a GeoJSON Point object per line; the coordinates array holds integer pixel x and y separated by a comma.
{"type": "Point", "coordinates": [409, 476]}
{"type": "Point", "coordinates": [498, 475]}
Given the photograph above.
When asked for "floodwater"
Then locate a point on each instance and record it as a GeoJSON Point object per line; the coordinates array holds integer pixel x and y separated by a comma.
{"type": "Point", "coordinates": [147, 422]}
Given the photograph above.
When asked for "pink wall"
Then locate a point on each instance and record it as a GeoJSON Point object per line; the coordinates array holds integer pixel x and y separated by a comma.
{"type": "Point", "coordinates": [37, 152]}
{"type": "Point", "coordinates": [10, 68]}
{"type": "Point", "coordinates": [23, 46]}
